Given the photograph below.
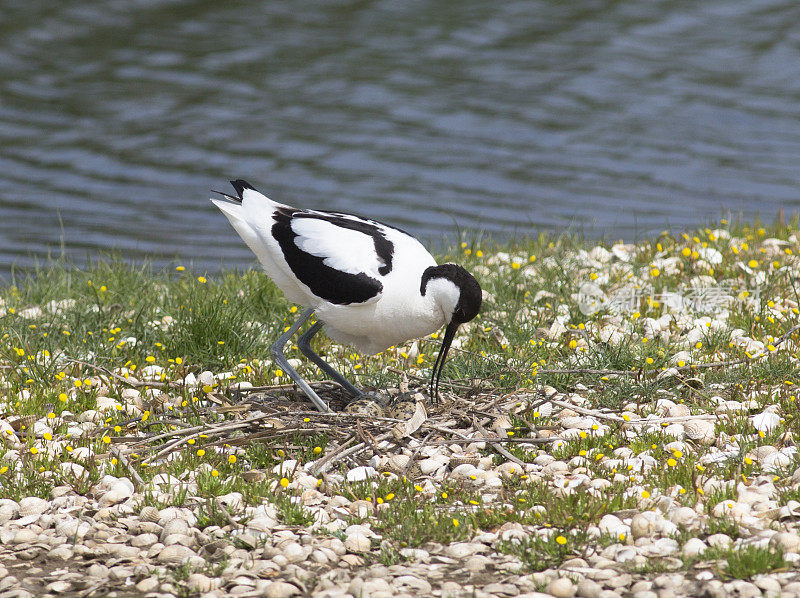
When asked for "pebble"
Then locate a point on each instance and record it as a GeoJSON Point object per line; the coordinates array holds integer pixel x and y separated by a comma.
{"type": "Point", "coordinates": [561, 588]}
{"type": "Point", "coordinates": [588, 588]}
{"type": "Point", "coordinates": [108, 533]}
{"type": "Point", "coordinates": [719, 541]}
{"type": "Point", "coordinates": [32, 505]}
{"type": "Point", "coordinates": [693, 548]}
{"type": "Point", "coordinates": [357, 542]}
{"type": "Point", "coordinates": [416, 584]}
{"type": "Point", "coordinates": [175, 554]}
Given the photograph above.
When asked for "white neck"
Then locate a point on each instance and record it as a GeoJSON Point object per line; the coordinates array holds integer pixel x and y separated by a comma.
{"type": "Point", "coordinates": [445, 295]}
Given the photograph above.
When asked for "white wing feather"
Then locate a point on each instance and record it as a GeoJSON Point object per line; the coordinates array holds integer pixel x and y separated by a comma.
{"type": "Point", "coordinates": [341, 248]}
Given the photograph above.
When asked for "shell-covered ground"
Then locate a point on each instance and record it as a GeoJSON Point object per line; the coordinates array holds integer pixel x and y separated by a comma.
{"type": "Point", "coordinates": [619, 420]}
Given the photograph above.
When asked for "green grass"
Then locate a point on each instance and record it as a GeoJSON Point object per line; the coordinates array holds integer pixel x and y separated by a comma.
{"type": "Point", "coordinates": [129, 319]}
{"type": "Point", "coordinates": [748, 561]}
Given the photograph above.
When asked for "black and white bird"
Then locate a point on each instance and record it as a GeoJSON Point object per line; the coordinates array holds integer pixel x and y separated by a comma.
{"type": "Point", "coordinates": [371, 285]}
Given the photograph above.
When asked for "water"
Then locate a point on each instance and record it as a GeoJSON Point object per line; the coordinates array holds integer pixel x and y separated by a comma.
{"type": "Point", "coordinates": [614, 118]}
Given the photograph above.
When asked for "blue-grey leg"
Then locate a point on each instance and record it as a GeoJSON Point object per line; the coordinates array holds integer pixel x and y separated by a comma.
{"type": "Point", "coordinates": [304, 344]}
{"type": "Point", "coordinates": [277, 355]}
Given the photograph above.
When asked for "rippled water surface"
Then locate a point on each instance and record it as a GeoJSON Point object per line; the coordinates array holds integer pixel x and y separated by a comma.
{"type": "Point", "coordinates": [615, 118]}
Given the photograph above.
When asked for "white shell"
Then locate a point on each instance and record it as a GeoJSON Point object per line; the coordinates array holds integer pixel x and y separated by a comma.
{"type": "Point", "coordinates": [32, 505]}
{"type": "Point", "coordinates": [357, 542]}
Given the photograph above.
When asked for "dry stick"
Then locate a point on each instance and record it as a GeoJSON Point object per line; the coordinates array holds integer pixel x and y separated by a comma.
{"type": "Point", "coordinates": [351, 451]}
{"type": "Point", "coordinates": [220, 428]}
{"type": "Point", "coordinates": [137, 479]}
{"type": "Point", "coordinates": [338, 457]}
{"type": "Point", "coordinates": [414, 454]}
{"type": "Point", "coordinates": [641, 420]}
{"type": "Point", "coordinates": [322, 384]}
{"type": "Point", "coordinates": [495, 440]}
{"type": "Point", "coordinates": [587, 371]}
{"type": "Point", "coordinates": [497, 447]}
{"type": "Point", "coordinates": [123, 379]}
{"type": "Point", "coordinates": [584, 411]}
{"type": "Point", "coordinates": [320, 462]}
{"type": "Point", "coordinates": [447, 431]}
{"type": "Point", "coordinates": [225, 513]}
{"type": "Point", "coordinates": [445, 383]}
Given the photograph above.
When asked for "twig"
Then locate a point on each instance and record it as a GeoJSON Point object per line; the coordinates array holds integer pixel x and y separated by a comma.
{"type": "Point", "coordinates": [588, 371]}
{"type": "Point", "coordinates": [495, 440]}
{"type": "Point", "coordinates": [317, 467]}
{"type": "Point", "coordinates": [338, 457]}
{"type": "Point", "coordinates": [137, 479]}
{"type": "Point", "coordinates": [584, 411]}
{"type": "Point", "coordinates": [497, 447]}
{"type": "Point", "coordinates": [226, 513]}
{"type": "Point", "coordinates": [414, 454]}
{"type": "Point", "coordinates": [123, 379]}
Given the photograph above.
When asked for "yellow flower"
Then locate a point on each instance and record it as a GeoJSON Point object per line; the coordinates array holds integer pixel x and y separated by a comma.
{"type": "Point", "coordinates": [149, 359]}
{"type": "Point", "coordinates": [655, 272]}
{"type": "Point", "coordinates": [573, 344]}
{"type": "Point", "coordinates": [284, 482]}
{"type": "Point", "coordinates": [515, 266]}
{"type": "Point", "coordinates": [455, 522]}
{"type": "Point", "coordinates": [214, 473]}
{"type": "Point", "coordinates": [671, 462]}
{"type": "Point", "coordinates": [622, 537]}
{"type": "Point", "coordinates": [649, 361]}
{"type": "Point", "coordinates": [390, 496]}
{"type": "Point", "coordinates": [561, 540]}
{"type": "Point", "coordinates": [207, 388]}
{"type": "Point", "coordinates": [200, 452]}
{"type": "Point", "coordinates": [34, 450]}
{"type": "Point", "coordinates": [202, 279]}
{"type": "Point", "coordinates": [444, 494]}
{"type": "Point", "coordinates": [279, 373]}
{"type": "Point", "coordinates": [645, 494]}
{"type": "Point", "coordinates": [317, 450]}
{"type": "Point", "coordinates": [47, 436]}
{"type": "Point", "coordinates": [106, 440]}
{"type": "Point", "coordinates": [191, 441]}
{"type": "Point", "coordinates": [180, 268]}
{"type": "Point", "coordinates": [232, 459]}
{"type": "Point", "coordinates": [418, 488]}
{"type": "Point", "coordinates": [593, 276]}
{"type": "Point", "coordinates": [379, 500]}
{"type": "Point", "coordinates": [753, 264]}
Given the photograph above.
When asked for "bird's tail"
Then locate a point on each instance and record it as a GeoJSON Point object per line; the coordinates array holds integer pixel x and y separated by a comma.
{"type": "Point", "coordinates": [248, 209]}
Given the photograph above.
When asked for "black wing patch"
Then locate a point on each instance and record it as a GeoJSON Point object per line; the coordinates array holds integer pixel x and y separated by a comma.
{"type": "Point", "coordinates": [330, 284]}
